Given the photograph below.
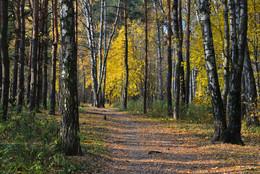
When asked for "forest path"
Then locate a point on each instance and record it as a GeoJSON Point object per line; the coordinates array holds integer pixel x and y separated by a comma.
{"type": "Point", "coordinates": [133, 143]}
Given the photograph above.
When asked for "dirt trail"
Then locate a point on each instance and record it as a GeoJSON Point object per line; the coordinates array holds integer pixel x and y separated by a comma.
{"type": "Point", "coordinates": [141, 145]}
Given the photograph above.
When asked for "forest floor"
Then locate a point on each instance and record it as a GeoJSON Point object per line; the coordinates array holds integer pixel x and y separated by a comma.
{"type": "Point", "coordinates": [143, 145]}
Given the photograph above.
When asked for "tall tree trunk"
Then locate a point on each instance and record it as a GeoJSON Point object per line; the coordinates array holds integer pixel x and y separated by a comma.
{"type": "Point", "coordinates": [226, 55]}
{"type": "Point", "coordinates": [213, 84]}
{"type": "Point", "coordinates": [70, 141]}
{"type": "Point", "coordinates": [159, 53]}
{"type": "Point", "coordinates": [45, 54]}
{"type": "Point", "coordinates": [100, 47]}
{"type": "Point", "coordinates": [187, 80]}
{"type": "Point", "coordinates": [5, 58]}
{"type": "Point", "coordinates": [91, 44]}
{"type": "Point", "coordinates": [250, 86]}
{"type": "Point", "coordinates": [55, 39]}
{"type": "Point", "coordinates": [16, 53]}
{"type": "Point", "coordinates": [34, 56]}
{"type": "Point", "coordinates": [20, 97]}
{"type": "Point", "coordinates": [124, 96]}
{"type": "Point", "coordinates": [102, 92]}
{"type": "Point", "coordinates": [29, 75]}
{"type": "Point", "coordinates": [178, 68]}
{"type": "Point", "coordinates": [1, 74]}
{"type": "Point", "coordinates": [39, 63]}
{"type": "Point", "coordinates": [182, 80]}
{"type": "Point", "coordinates": [233, 134]}
{"type": "Point", "coordinates": [169, 76]}
{"type": "Point", "coordinates": [146, 58]}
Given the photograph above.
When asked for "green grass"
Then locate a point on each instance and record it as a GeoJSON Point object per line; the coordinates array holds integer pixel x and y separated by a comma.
{"type": "Point", "coordinates": [29, 144]}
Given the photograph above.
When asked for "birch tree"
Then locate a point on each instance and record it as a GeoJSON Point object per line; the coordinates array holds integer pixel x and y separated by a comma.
{"type": "Point", "coordinates": [213, 84]}
{"type": "Point", "coordinates": [238, 43]}
{"type": "Point", "coordinates": [70, 141]}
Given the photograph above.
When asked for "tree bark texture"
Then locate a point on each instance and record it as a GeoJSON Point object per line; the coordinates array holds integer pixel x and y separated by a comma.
{"type": "Point", "coordinates": [238, 39]}
{"type": "Point", "coordinates": [33, 82]}
{"type": "Point", "coordinates": [159, 54]}
{"type": "Point", "coordinates": [226, 56]}
{"type": "Point", "coordinates": [55, 39]}
{"type": "Point", "coordinates": [5, 59]}
{"type": "Point", "coordinates": [28, 86]}
{"type": "Point", "coordinates": [250, 83]}
{"type": "Point", "coordinates": [182, 80]}
{"type": "Point", "coordinates": [20, 97]}
{"type": "Point", "coordinates": [213, 84]}
{"type": "Point", "coordinates": [1, 74]}
{"type": "Point", "coordinates": [187, 80]}
{"type": "Point", "coordinates": [145, 59]}
{"type": "Point", "coordinates": [45, 56]}
{"type": "Point", "coordinates": [16, 52]}
{"type": "Point", "coordinates": [91, 44]}
{"type": "Point", "coordinates": [178, 60]}
{"type": "Point", "coordinates": [124, 97]}
{"type": "Point", "coordinates": [169, 57]}
{"type": "Point", "coordinates": [69, 105]}
{"type": "Point", "coordinates": [100, 47]}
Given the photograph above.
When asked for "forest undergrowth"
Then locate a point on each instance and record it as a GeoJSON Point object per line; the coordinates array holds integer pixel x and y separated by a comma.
{"type": "Point", "coordinates": [29, 144]}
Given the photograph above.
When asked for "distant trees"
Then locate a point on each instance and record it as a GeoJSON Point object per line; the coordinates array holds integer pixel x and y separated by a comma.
{"type": "Point", "coordinates": [112, 40]}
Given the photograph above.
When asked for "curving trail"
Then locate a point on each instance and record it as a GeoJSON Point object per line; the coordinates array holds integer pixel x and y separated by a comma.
{"type": "Point", "coordinates": [142, 145]}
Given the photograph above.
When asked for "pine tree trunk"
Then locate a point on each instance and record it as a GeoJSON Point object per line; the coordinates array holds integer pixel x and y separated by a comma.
{"type": "Point", "coordinates": [5, 59]}
{"type": "Point", "coordinates": [20, 97]}
{"type": "Point", "coordinates": [16, 53]}
{"type": "Point", "coordinates": [54, 56]}
{"type": "Point", "coordinates": [124, 96]}
{"type": "Point", "coordinates": [39, 67]}
{"type": "Point", "coordinates": [145, 59]}
{"type": "Point", "coordinates": [182, 80]}
{"type": "Point", "coordinates": [1, 74]}
{"type": "Point", "coordinates": [70, 141]}
{"type": "Point", "coordinates": [34, 56]}
{"type": "Point", "coordinates": [169, 75]}
{"type": "Point", "coordinates": [45, 54]}
{"type": "Point", "coordinates": [178, 68]}
{"type": "Point", "coordinates": [187, 80]}
{"type": "Point", "coordinates": [213, 84]}
{"type": "Point", "coordinates": [29, 75]}
{"type": "Point", "coordinates": [100, 48]}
